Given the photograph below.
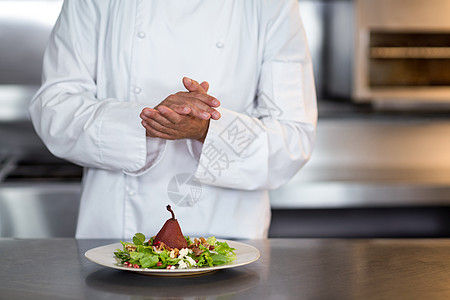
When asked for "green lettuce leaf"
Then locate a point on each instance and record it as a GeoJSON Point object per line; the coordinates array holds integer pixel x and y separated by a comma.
{"type": "Point", "coordinates": [138, 239]}
{"type": "Point", "coordinates": [149, 260]}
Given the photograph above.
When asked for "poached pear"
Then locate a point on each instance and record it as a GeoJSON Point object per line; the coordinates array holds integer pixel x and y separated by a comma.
{"type": "Point", "coordinates": [170, 234]}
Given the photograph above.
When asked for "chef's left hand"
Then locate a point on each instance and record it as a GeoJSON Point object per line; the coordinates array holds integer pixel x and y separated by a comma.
{"type": "Point", "coordinates": [166, 124]}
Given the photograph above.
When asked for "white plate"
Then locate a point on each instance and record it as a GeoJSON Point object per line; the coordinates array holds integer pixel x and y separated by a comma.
{"type": "Point", "coordinates": [104, 255]}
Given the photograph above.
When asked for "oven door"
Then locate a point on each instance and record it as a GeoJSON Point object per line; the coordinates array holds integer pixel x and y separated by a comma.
{"type": "Point", "coordinates": [402, 51]}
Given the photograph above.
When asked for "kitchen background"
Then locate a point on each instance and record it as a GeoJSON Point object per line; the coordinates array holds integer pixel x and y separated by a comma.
{"type": "Point", "coordinates": [381, 166]}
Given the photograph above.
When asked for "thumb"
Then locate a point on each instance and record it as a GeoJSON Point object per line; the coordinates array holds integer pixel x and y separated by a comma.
{"type": "Point", "coordinates": [192, 85]}
{"type": "Point", "coordinates": [205, 85]}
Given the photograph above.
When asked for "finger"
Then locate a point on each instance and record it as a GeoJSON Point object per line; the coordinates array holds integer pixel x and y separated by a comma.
{"type": "Point", "coordinates": [151, 132]}
{"type": "Point", "coordinates": [181, 103]}
{"type": "Point", "coordinates": [177, 106]}
{"type": "Point", "coordinates": [147, 130]}
{"type": "Point", "coordinates": [163, 120]}
{"type": "Point", "coordinates": [154, 119]}
{"type": "Point", "coordinates": [180, 109]}
{"type": "Point", "coordinates": [192, 85]}
{"type": "Point", "coordinates": [185, 108]}
{"type": "Point", "coordinates": [159, 127]}
{"type": "Point", "coordinates": [205, 112]}
{"type": "Point", "coordinates": [205, 85]}
{"type": "Point", "coordinates": [170, 115]}
{"type": "Point", "coordinates": [207, 99]}
{"type": "Point", "coordinates": [200, 109]}
{"type": "Point", "coordinates": [150, 113]}
{"type": "Point", "coordinates": [145, 112]}
{"type": "Point", "coordinates": [192, 103]}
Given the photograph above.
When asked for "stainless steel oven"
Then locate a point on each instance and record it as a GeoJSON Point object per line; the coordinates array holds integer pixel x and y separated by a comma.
{"type": "Point", "coordinates": [402, 51]}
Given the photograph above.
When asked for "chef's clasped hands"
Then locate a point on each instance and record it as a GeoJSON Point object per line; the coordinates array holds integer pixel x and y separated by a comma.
{"type": "Point", "coordinates": [184, 115]}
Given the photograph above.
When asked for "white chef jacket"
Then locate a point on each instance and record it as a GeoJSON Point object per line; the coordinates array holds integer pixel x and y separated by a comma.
{"type": "Point", "coordinates": [107, 60]}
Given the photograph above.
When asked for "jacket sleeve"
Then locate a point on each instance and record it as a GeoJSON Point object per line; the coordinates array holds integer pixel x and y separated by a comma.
{"type": "Point", "coordinates": [265, 146]}
{"type": "Point", "coordinates": [73, 122]}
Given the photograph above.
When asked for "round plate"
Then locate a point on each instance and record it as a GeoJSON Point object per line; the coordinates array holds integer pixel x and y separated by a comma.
{"type": "Point", "coordinates": [104, 255]}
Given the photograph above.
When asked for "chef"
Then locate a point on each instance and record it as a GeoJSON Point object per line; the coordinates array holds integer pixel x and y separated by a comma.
{"type": "Point", "coordinates": [203, 105]}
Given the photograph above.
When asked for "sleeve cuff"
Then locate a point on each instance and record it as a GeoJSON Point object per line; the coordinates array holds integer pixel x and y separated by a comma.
{"type": "Point", "coordinates": [195, 148]}
{"type": "Point", "coordinates": [155, 151]}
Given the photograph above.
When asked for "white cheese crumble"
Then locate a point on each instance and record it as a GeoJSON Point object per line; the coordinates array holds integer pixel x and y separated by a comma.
{"type": "Point", "coordinates": [183, 252]}
{"type": "Point", "coordinates": [182, 255]}
{"type": "Point", "coordinates": [182, 265]}
{"type": "Point", "coordinates": [191, 261]}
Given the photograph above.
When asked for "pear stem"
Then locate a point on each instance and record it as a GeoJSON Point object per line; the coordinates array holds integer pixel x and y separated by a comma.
{"type": "Point", "coordinates": [171, 211]}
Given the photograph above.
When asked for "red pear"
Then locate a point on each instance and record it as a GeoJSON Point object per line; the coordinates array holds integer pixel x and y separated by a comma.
{"type": "Point", "coordinates": [170, 234]}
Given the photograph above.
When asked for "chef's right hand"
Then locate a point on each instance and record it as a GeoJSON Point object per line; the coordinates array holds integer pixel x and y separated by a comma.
{"type": "Point", "coordinates": [195, 102]}
{"type": "Point", "coordinates": [166, 124]}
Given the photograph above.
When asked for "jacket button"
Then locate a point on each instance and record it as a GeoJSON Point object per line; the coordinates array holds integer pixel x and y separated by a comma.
{"type": "Point", "coordinates": [137, 90]}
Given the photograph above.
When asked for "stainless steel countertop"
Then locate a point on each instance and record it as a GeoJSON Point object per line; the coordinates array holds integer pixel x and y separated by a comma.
{"type": "Point", "coordinates": [287, 269]}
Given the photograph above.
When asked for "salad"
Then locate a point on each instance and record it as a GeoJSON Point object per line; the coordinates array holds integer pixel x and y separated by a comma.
{"type": "Point", "coordinates": [199, 253]}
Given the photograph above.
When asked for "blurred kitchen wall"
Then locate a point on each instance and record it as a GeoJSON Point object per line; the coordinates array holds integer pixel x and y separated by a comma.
{"type": "Point", "coordinates": [24, 29]}
{"type": "Point", "coordinates": [329, 26]}
{"type": "Point", "coordinates": [39, 193]}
